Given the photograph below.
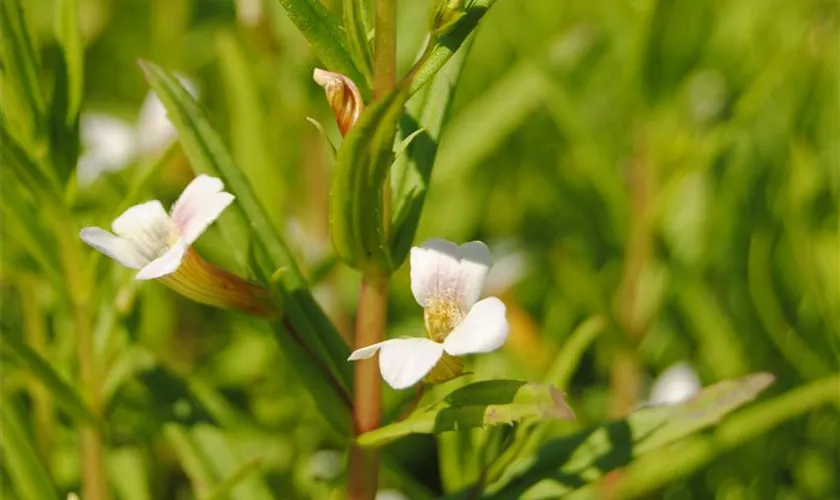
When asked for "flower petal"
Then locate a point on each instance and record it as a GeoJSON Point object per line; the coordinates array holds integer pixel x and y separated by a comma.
{"type": "Point", "coordinates": [440, 270]}
{"type": "Point", "coordinates": [200, 204]}
{"type": "Point", "coordinates": [403, 362]}
{"type": "Point", "coordinates": [484, 329]}
{"type": "Point", "coordinates": [123, 251]}
{"type": "Point", "coordinates": [146, 226]}
{"type": "Point", "coordinates": [365, 352]}
{"type": "Point", "coordinates": [167, 263]}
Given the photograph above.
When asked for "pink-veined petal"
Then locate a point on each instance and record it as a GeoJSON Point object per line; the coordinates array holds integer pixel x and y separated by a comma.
{"type": "Point", "coordinates": [484, 329]}
{"type": "Point", "coordinates": [441, 270]}
{"type": "Point", "coordinates": [200, 204]}
{"type": "Point", "coordinates": [404, 362]}
{"type": "Point", "coordinates": [167, 263]}
{"type": "Point", "coordinates": [123, 251]}
{"type": "Point", "coordinates": [147, 226]}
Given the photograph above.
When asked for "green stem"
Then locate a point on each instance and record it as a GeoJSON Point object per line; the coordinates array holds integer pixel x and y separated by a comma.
{"type": "Point", "coordinates": [385, 48]}
{"type": "Point", "coordinates": [373, 298]}
{"type": "Point", "coordinates": [91, 440]}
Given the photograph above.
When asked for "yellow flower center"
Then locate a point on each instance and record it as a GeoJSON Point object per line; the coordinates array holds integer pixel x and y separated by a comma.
{"type": "Point", "coordinates": [442, 316]}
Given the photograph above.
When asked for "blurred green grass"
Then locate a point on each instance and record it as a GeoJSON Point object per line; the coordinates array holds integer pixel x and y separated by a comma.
{"type": "Point", "coordinates": [671, 166]}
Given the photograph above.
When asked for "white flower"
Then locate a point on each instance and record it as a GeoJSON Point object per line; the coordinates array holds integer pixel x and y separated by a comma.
{"type": "Point", "coordinates": [108, 144]}
{"type": "Point", "coordinates": [111, 143]}
{"type": "Point", "coordinates": [446, 281]}
{"type": "Point", "coordinates": [154, 131]}
{"type": "Point", "coordinates": [675, 385]}
{"type": "Point", "coordinates": [149, 239]}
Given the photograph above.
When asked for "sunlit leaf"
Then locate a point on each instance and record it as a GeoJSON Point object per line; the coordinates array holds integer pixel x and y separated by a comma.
{"type": "Point", "coordinates": [324, 33]}
{"type": "Point", "coordinates": [482, 404]}
{"type": "Point", "coordinates": [585, 456]}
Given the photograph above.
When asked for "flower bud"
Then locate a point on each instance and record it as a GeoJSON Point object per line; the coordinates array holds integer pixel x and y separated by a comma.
{"type": "Point", "coordinates": [343, 95]}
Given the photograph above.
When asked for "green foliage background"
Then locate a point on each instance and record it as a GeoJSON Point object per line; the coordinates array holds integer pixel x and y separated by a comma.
{"type": "Point", "coordinates": [668, 168]}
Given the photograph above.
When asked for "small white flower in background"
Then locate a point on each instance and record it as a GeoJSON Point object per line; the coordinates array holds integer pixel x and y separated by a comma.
{"type": "Point", "coordinates": [676, 384]}
{"type": "Point", "coordinates": [154, 130]}
{"type": "Point", "coordinates": [446, 281]}
{"type": "Point", "coordinates": [149, 239]}
{"type": "Point", "coordinates": [108, 144]}
{"type": "Point", "coordinates": [510, 267]}
{"type": "Point", "coordinates": [72, 496]}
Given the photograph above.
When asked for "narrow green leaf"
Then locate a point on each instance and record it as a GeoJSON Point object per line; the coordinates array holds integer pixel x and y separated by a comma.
{"type": "Point", "coordinates": [27, 472]}
{"type": "Point", "coordinates": [585, 456]}
{"type": "Point", "coordinates": [447, 45]}
{"type": "Point", "coordinates": [70, 37]}
{"type": "Point", "coordinates": [324, 33]}
{"type": "Point", "coordinates": [21, 99]}
{"type": "Point", "coordinates": [357, 37]}
{"type": "Point", "coordinates": [248, 222]}
{"type": "Point", "coordinates": [63, 391]}
{"type": "Point", "coordinates": [63, 128]}
{"type": "Point", "coordinates": [357, 192]}
{"type": "Point", "coordinates": [655, 470]}
{"type": "Point", "coordinates": [68, 87]}
{"type": "Point", "coordinates": [412, 171]}
{"type": "Point", "coordinates": [482, 404]}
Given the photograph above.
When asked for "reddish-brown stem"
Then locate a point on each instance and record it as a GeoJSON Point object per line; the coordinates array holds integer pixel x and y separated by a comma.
{"type": "Point", "coordinates": [370, 329]}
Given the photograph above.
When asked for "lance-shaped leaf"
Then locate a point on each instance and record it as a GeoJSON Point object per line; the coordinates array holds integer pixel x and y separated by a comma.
{"type": "Point", "coordinates": [357, 194]}
{"type": "Point", "coordinates": [586, 456]}
{"type": "Point", "coordinates": [357, 36]}
{"type": "Point", "coordinates": [59, 388]}
{"type": "Point", "coordinates": [482, 404]}
{"type": "Point", "coordinates": [323, 31]}
{"type": "Point", "coordinates": [21, 99]}
{"type": "Point", "coordinates": [248, 225]}
{"type": "Point", "coordinates": [69, 35]}
{"type": "Point", "coordinates": [63, 112]}
{"type": "Point", "coordinates": [412, 171]}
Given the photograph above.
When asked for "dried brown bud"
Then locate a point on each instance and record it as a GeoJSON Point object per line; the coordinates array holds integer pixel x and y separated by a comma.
{"type": "Point", "coordinates": [344, 97]}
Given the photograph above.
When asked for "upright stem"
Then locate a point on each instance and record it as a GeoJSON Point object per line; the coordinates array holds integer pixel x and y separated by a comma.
{"type": "Point", "coordinates": [370, 329]}
{"type": "Point", "coordinates": [385, 48]}
{"type": "Point", "coordinates": [91, 440]}
{"type": "Point", "coordinates": [373, 299]}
